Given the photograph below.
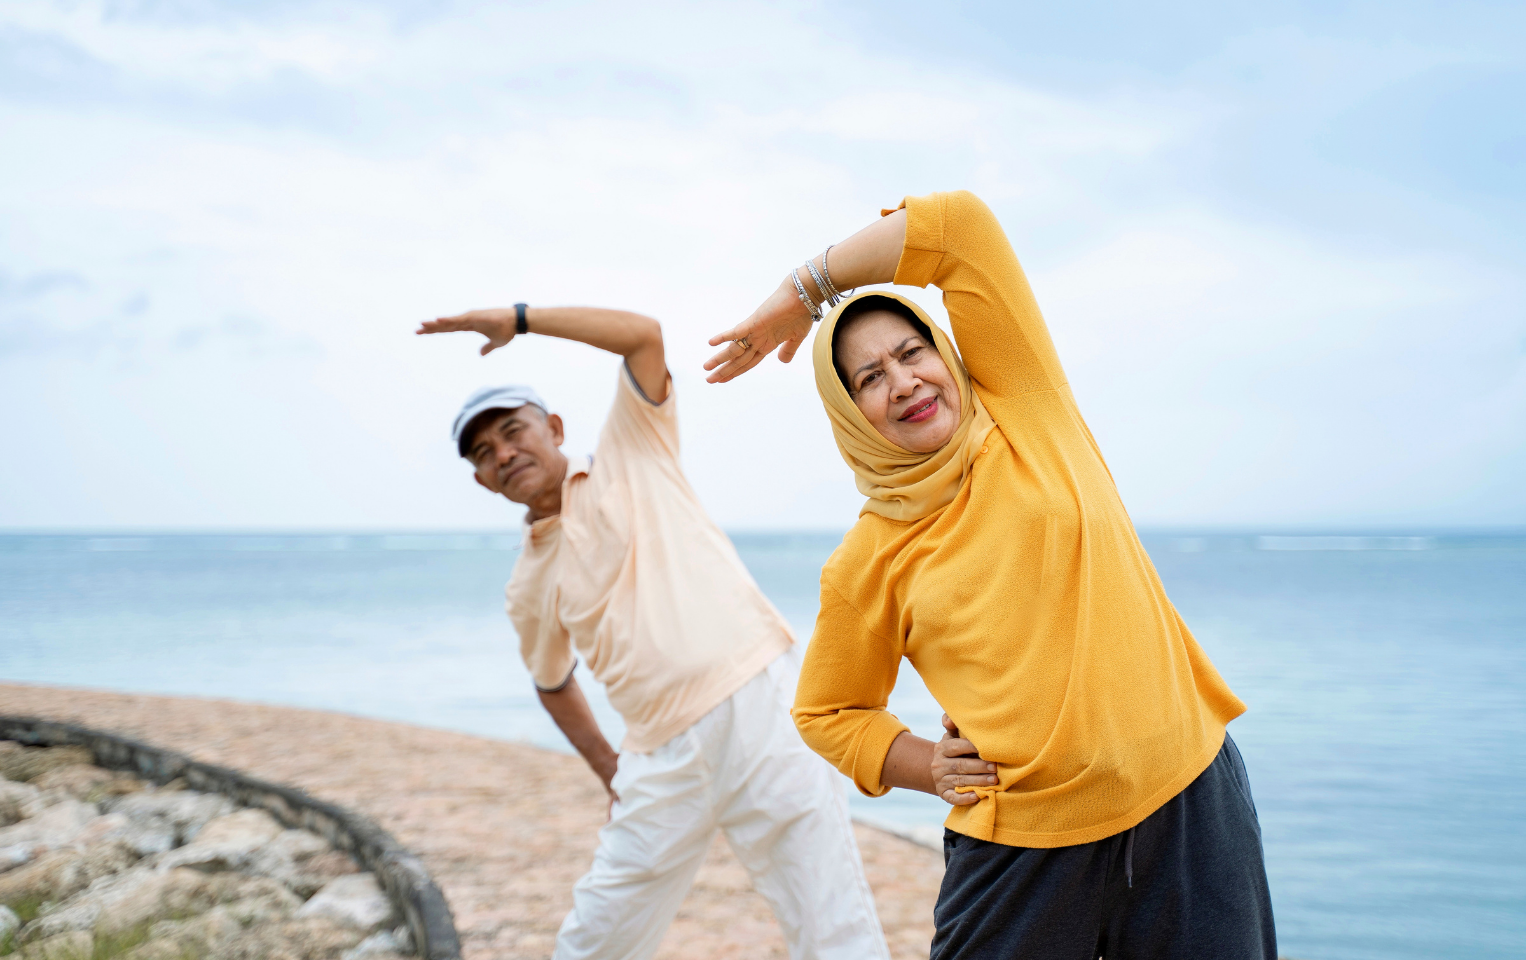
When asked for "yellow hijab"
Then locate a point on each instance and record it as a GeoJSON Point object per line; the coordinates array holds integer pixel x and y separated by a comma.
{"type": "Point", "coordinates": [900, 485]}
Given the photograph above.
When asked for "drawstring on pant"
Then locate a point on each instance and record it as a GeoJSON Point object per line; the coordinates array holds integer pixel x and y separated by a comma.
{"type": "Point", "coordinates": [1128, 857]}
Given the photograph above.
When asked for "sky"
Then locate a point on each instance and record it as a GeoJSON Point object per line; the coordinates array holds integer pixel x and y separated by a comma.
{"type": "Point", "coordinates": [1280, 250]}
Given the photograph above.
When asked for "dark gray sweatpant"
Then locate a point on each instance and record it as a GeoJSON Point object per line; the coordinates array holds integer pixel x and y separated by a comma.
{"type": "Point", "coordinates": [1188, 883]}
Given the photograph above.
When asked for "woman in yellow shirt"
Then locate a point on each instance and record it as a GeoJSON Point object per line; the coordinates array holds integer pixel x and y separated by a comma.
{"type": "Point", "coordinates": [1098, 806]}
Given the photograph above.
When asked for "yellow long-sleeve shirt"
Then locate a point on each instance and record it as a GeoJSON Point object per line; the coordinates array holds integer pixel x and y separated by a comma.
{"type": "Point", "coordinates": [1027, 605]}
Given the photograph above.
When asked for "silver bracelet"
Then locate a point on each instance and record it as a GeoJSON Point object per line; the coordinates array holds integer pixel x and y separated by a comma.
{"type": "Point", "coordinates": [805, 298]}
{"type": "Point", "coordinates": [828, 297]}
{"type": "Point", "coordinates": [831, 288]}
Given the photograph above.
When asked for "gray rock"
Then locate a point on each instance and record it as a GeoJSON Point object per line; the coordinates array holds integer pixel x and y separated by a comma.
{"type": "Point", "coordinates": [76, 945]}
{"type": "Point", "coordinates": [216, 935]}
{"type": "Point", "coordinates": [205, 878]}
{"type": "Point", "coordinates": [14, 801]}
{"type": "Point", "coordinates": [148, 838]}
{"type": "Point", "coordinates": [9, 924]}
{"type": "Point", "coordinates": [224, 843]}
{"type": "Point", "coordinates": [41, 801]}
{"type": "Point", "coordinates": [83, 910]}
{"type": "Point", "coordinates": [184, 812]}
{"type": "Point", "coordinates": [19, 855]}
{"type": "Point", "coordinates": [296, 845]}
{"type": "Point", "coordinates": [144, 839]}
{"type": "Point", "coordinates": [329, 865]}
{"type": "Point", "coordinates": [197, 937]}
{"type": "Point", "coordinates": [356, 901]}
{"type": "Point", "coordinates": [55, 826]}
{"type": "Point", "coordinates": [301, 860]}
{"type": "Point", "coordinates": [314, 938]}
{"type": "Point", "coordinates": [247, 829]}
{"type": "Point", "coordinates": [75, 779]}
{"type": "Point", "coordinates": [59, 874]}
{"type": "Point", "coordinates": [404, 936]}
{"type": "Point", "coordinates": [86, 782]}
{"type": "Point", "coordinates": [144, 895]}
{"type": "Point", "coordinates": [383, 943]}
{"type": "Point", "coordinates": [25, 763]}
{"type": "Point", "coordinates": [99, 829]}
{"type": "Point", "coordinates": [210, 934]}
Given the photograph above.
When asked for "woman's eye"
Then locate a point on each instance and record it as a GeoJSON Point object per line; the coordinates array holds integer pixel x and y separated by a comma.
{"type": "Point", "coordinates": [910, 356]}
{"type": "Point", "coordinates": [868, 380]}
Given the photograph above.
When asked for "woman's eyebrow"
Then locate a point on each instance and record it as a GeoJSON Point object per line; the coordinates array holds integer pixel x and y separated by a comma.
{"type": "Point", "coordinates": [895, 349]}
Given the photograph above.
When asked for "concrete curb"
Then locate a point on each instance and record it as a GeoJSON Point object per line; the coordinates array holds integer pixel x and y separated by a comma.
{"type": "Point", "coordinates": [399, 871]}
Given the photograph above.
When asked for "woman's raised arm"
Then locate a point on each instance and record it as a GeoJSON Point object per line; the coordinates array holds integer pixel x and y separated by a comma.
{"type": "Point", "coordinates": [869, 256]}
{"type": "Point", "coordinates": [955, 243]}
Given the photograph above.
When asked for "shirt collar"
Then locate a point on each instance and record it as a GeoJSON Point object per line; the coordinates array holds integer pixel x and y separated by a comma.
{"type": "Point", "coordinates": [576, 467]}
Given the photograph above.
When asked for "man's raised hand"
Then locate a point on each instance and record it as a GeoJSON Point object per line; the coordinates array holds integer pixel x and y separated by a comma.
{"type": "Point", "coordinates": [496, 324]}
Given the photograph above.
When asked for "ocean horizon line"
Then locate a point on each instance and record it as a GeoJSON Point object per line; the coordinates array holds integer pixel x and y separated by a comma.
{"type": "Point", "coordinates": [1177, 540]}
{"type": "Point", "coordinates": [1147, 530]}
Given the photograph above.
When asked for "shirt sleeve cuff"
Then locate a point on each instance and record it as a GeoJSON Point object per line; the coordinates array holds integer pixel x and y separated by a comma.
{"type": "Point", "coordinates": [924, 240]}
{"type": "Point", "coordinates": [554, 685]}
{"type": "Point", "coordinates": [866, 763]}
{"type": "Point", "coordinates": [630, 378]}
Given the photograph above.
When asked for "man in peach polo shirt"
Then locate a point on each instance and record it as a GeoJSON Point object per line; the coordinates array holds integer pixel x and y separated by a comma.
{"type": "Point", "coordinates": [622, 565]}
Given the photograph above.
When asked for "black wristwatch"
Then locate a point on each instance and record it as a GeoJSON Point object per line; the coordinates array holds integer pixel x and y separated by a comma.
{"type": "Point", "coordinates": [521, 325]}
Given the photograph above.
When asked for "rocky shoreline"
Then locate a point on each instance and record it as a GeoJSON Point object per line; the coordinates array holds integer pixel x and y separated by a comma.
{"type": "Point", "coordinates": [505, 829]}
{"type": "Point", "coordinates": [98, 864]}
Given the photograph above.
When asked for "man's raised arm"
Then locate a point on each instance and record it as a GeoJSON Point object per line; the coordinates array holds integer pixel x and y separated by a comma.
{"type": "Point", "coordinates": [633, 336]}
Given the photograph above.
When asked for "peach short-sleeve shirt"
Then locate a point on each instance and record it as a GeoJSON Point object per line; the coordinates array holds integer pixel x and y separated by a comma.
{"type": "Point", "coordinates": [635, 577]}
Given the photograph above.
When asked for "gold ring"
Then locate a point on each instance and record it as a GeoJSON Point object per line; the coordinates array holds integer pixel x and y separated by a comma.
{"type": "Point", "coordinates": [743, 343]}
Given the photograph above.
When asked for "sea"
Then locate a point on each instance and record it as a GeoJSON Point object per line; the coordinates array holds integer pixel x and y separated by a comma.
{"type": "Point", "coordinates": [1385, 675]}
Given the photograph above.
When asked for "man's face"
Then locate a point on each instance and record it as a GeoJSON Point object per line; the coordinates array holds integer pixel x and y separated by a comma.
{"type": "Point", "coordinates": [515, 453]}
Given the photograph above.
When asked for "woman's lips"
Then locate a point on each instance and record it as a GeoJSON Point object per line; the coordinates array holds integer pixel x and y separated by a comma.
{"type": "Point", "coordinates": [921, 411]}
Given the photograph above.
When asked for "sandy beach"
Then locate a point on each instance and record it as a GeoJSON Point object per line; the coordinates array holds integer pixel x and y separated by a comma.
{"type": "Point", "coordinates": [505, 828]}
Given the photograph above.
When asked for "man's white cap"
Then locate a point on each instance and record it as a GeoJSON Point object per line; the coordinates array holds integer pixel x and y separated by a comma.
{"type": "Point", "coordinates": [511, 397]}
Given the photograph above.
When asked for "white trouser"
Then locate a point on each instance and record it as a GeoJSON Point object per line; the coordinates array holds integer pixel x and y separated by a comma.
{"type": "Point", "coordinates": [743, 769]}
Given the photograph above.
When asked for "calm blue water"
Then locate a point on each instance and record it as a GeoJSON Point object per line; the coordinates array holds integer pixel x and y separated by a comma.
{"type": "Point", "coordinates": [1386, 678]}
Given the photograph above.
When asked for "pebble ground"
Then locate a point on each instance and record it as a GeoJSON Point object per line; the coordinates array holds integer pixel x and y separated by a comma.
{"type": "Point", "coordinates": [505, 828]}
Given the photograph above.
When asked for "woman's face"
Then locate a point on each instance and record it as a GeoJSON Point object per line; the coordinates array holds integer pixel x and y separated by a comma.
{"type": "Point", "coordinates": [899, 381]}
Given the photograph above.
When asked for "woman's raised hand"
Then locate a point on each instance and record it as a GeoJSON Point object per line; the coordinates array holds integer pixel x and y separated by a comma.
{"type": "Point", "coordinates": [782, 321]}
{"type": "Point", "coordinates": [497, 325]}
{"type": "Point", "coordinates": [956, 763]}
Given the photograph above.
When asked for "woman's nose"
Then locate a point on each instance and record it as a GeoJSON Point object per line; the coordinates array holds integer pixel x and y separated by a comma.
{"type": "Point", "coordinates": [903, 383]}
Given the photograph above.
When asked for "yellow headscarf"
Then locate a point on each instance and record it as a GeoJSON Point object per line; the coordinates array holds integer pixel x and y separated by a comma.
{"type": "Point", "coordinates": [900, 485]}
